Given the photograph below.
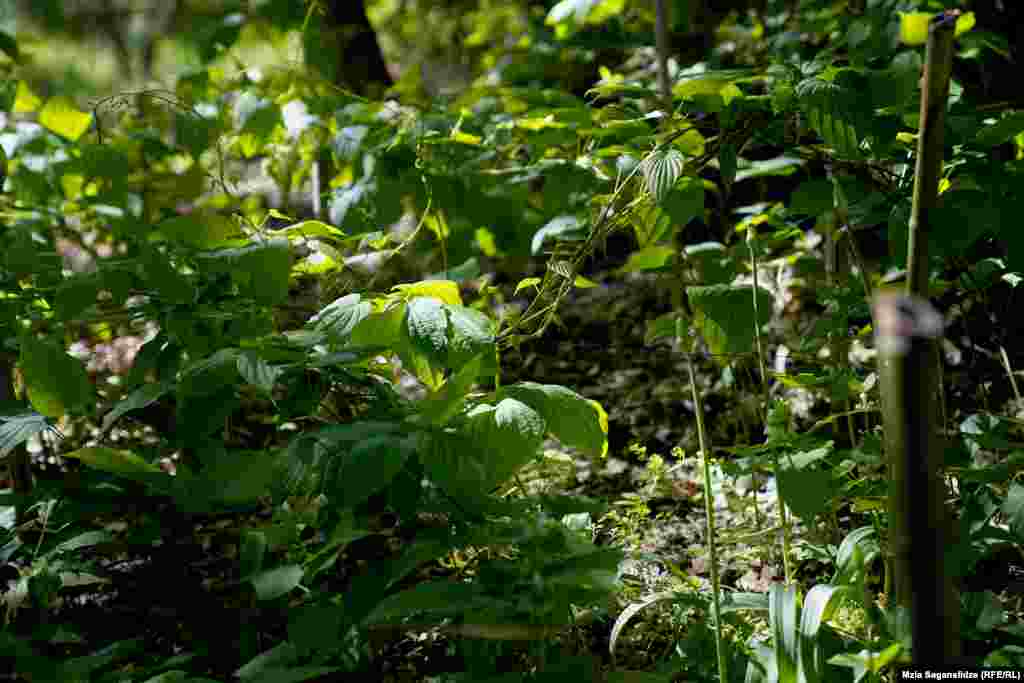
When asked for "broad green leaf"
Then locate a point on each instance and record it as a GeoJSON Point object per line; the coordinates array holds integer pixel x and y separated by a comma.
{"type": "Point", "coordinates": [61, 116]}
{"type": "Point", "coordinates": [251, 553]}
{"type": "Point", "coordinates": [267, 265]}
{"type": "Point", "coordinates": [819, 604]}
{"type": "Point", "coordinates": [380, 329]}
{"type": "Point", "coordinates": [574, 420]}
{"type": "Point", "coordinates": [25, 101]}
{"type": "Point", "coordinates": [840, 110]}
{"type": "Point", "coordinates": [310, 229]}
{"type": "Point", "coordinates": [87, 539]}
{"type": "Point", "coordinates": [661, 169]}
{"type": "Point", "coordinates": [437, 598]}
{"type": "Point", "coordinates": [562, 228]}
{"type": "Point", "coordinates": [484, 450]}
{"type": "Point", "coordinates": [145, 395]}
{"type": "Point", "coordinates": [201, 230]}
{"type": "Point", "coordinates": [75, 295]}
{"type": "Point", "coordinates": [340, 317]}
{"type": "Point", "coordinates": [113, 460]}
{"type": "Point", "coordinates": [806, 492]}
{"type": "Point", "coordinates": [710, 262]}
{"type": "Point", "coordinates": [649, 258]}
{"type": "Point", "coordinates": [56, 382]}
{"type": "Point", "coordinates": [257, 371]}
{"type": "Point", "coordinates": [1001, 131]}
{"type": "Point", "coordinates": [914, 26]}
{"type": "Point", "coordinates": [728, 161]}
{"type": "Point", "coordinates": [443, 405]}
{"type": "Point", "coordinates": [662, 328]}
{"type": "Point", "coordinates": [370, 466]}
{"type": "Point", "coordinates": [427, 328]}
{"type": "Point", "coordinates": [9, 46]}
{"type": "Point", "coordinates": [783, 611]}
{"type": "Point", "coordinates": [812, 197]}
{"type": "Point", "coordinates": [276, 582]}
{"type": "Point", "coordinates": [471, 333]}
{"type": "Point", "coordinates": [685, 201]}
{"type": "Point", "coordinates": [445, 290]}
{"type": "Point", "coordinates": [724, 314]}
{"type": "Point", "coordinates": [232, 478]}
{"type": "Point", "coordinates": [17, 429]}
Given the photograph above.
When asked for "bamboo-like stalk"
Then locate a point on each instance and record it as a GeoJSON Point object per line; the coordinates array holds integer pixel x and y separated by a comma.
{"type": "Point", "coordinates": [934, 94]}
{"type": "Point", "coordinates": [907, 329]}
{"type": "Point", "coordinates": [661, 19]}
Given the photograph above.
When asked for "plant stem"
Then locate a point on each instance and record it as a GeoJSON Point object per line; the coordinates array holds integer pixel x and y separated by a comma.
{"type": "Point", "coordinates": [709, 509]}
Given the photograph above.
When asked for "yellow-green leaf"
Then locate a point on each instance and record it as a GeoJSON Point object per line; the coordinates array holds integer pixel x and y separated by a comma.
{"type": "Point", "coordinates": [25, 100]}
{"type": "Point", "coordinates": [527, 282]}
{"type": "Point", "coordinates": [61, 116]}
{"type": "Point", "coordinates": [485, 241]}
{"type": "Point", "coordinates": [584, 283]}
{"type": "Point", "coordinates": [914, 27]}
{"type": "Point", "coordinates": [445, 290]}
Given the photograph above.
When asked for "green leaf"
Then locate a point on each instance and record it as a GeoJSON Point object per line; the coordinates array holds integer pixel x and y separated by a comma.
{"type": "Point", "coordinates": [380, 329]}
{"type": "Point", "coordinates": [711, 262]}
{"type": "Point", "coordinates": [9, 46]}
{"type": "Point", "coordinates": [267, 266]}
{"type": "Point", "coordinates": [201, 229]}
{"type": "Point", "coordinates": [56, 382]}
{"type": "Point", "coordinates": [486, 448]}
{"type": "Point", "coordinates": [471, 333]}
{"type": "Point", "coordinates": [340, 317]}
{"type": "Point", "coordinates": [274, 583]}
{"type": "Point", "coordinates": [370, 466]}
{"type": "Point", "coordinates": [61, 116]}
{"type": "Point", "coordinates": [840, 110]}
{"type": "Point", "coordinates": [724, 314]}
{"type": "Point", "coordinates": [728, 159]}
{"type": "Point", "coordinates": [444, 404]}
{"type": "Point", "coordinates": [783, 608]}
{"type": "Point", "coordinates": [685, 201]}
{"type": "Point", "coordinates": [648, 258]}
{"type": "Point", "coordinates": [819, 603]}
{"type": "Point", "coordinates": [232, 478]}
{"type": "Point", "coordinates": [75, 295]}
{"type": "Point", "coordinates": [437, 598]}
{"type": "Point", "coordinates": [310, 229]}
{"type": "Point", "coordinates": [661, 169]}
{"type": "Point", "coordinates": [426, 326]}
{"type": "Point", "coordinates": [574, 420]}
{"type": "Point", "coordinates": [806, 492]}
{"type": "Point", "coordinates": [562, 228]}
{"type": "Point", "coordinates": [251, 553]}
{"type": "Point", "coordinates": [145, 395]}
{"type": "Point", "coordinates": [1001, 131]}
{"type": "Point", "coordinates": [812, 198]}
{"type": "Point", "coordinates": [445, 290]}
{"type": "Point", "coordinates": [17, 429]}
{"type": "Point", "coordinates": [257, 371]}
{"type": "Point", "coordinates": [779, 166]}
{"type": "Point", "coordinates": [113, 460]}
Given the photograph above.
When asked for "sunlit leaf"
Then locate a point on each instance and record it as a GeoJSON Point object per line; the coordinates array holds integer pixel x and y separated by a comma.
{"type": "Point", "coordinates": [61, 116]}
